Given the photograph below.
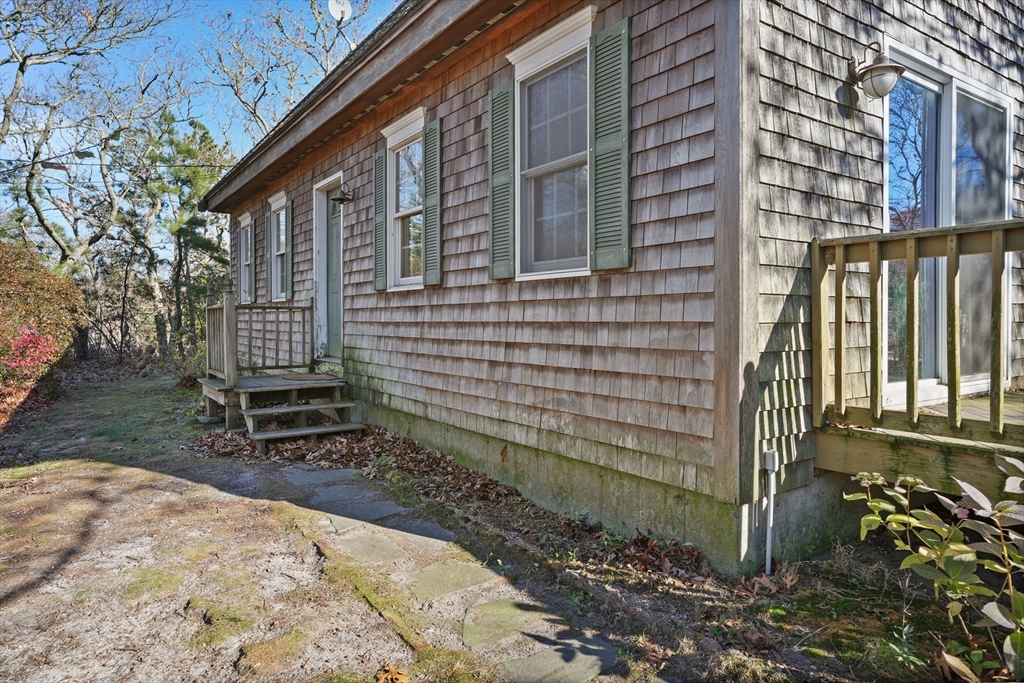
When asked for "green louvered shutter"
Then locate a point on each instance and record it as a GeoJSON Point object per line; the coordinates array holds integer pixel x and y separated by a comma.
{"type": "Point", "coordinates": [432, 203]}
{"type": "Point", "coordinates": [380, 219]}
{"type": "Point", "coordinates": [609, 148]}
{"type": "Point", "coordinates": [269, 249]}
{"type": "Point", "coordinates": [288, 223]}
{"type": "Point", "coordinates": [501, 151]}
{"type": "Point", "coordinates": [252, 263]}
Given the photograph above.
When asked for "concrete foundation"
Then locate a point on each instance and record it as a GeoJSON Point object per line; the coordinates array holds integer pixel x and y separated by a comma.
{"type": "Point", "coordinates": [732, 537]}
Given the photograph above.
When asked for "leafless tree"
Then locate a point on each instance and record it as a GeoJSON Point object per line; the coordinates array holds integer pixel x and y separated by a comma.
{"type": "Point", "coordinates": [264, 62]}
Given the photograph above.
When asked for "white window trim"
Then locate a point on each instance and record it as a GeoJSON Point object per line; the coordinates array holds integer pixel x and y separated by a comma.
{"type": "Point", "coordinates": [399, 133]}
{"type": "Point", "coordinates": [277, 204]}
{"type": "Point", "coordinates": [537, 54]}
{"type": "Point", "coordinates": [244, 267]}
{"type": "Point", "coordinates": [320, 215]}
{"type": "Point", "coordinates": [951, 81]}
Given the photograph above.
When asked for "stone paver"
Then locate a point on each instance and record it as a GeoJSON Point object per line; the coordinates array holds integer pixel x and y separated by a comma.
{"type": "Point", "coordinates": [427, 535]}
{"type": "Point", "coordinates": [313, 478]}
{"type": "Point", "coordinates": [442, 578]}
{"type": "Point", "coordinates": [490, 622]}
{"type": "Point", "coordinates": [342, 523]}
{"type": "Point", "coordinates": [568, 661]}
{"type": "Point", "coordinates": [337, 493]}
{"type": "Point", "coordinates": [373, 549]}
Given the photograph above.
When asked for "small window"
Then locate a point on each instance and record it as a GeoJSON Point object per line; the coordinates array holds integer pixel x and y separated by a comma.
{"type": "Point", "coordinates": [407, 222]}
{"type": "Point", "coordinates": [402, 217]}
{"type": "Point", "coordinates": [279, 248]}
{"type": "Point", "coordinates": [280, 252]}
{"type": "Point", "coordinates": [553, 163]}
{"type": "Point", "coordinates": [245, 262]}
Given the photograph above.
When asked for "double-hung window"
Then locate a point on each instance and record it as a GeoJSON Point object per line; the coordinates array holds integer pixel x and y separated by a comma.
{"type": "Point", "coordinates": [947, 142]}
{"type": "Point", "coordinates": [558, 144]}
{"type": "Point", "coordinates": [279, 248]}
{"type": "Point", "coordinates": [407, 204]}
{"type": "Point", "coordinates": [245, 250]}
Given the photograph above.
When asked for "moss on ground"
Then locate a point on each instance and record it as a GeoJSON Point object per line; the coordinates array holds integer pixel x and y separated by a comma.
{"type": "Point", "coordinates": [271, 657]}
{"type": "Point", "coordinates": [220, 621]}
{"type": "Point", "coordinates": [153, 582]}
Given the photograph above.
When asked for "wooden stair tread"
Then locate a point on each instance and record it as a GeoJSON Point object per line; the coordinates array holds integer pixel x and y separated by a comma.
{"type": "Point", "coordinates": [303, 408]}
{"type": "Point", "coordinates": [299, 432]}
{"type": "Point", "coordinates": [313, 384]}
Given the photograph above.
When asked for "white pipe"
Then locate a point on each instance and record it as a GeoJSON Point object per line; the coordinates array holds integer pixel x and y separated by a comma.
{"type": "Point", "coordinates": [771, 463]}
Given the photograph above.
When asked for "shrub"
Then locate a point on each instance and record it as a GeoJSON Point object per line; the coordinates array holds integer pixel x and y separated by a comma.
{"type": "Point", "coordinates": [39, 312]}
{"type": "Point", "coordinates": [939, 551]}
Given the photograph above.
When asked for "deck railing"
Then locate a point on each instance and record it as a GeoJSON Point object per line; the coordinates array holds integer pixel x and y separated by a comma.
{"type": "Point", "coordinates": [950, 244]}
{"type": "Point", "coordinates": [275, 336]}
{"type": "Point", "coordinates": [253, 337]}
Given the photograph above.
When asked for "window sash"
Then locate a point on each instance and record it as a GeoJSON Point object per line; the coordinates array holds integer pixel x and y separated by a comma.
{"type": "Point", "coordinates": [405, 251]}
{"type": "Point", "coordinates": [528, 239]}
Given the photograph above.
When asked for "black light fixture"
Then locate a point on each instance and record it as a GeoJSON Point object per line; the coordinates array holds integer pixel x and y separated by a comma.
{"type": "Point", "coordinates": [344, 195]}
{"type": "Point", "coordinates": [879, 76]}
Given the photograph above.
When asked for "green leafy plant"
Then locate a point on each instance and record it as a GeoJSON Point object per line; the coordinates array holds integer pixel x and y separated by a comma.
{"type": "Point", "coordinates": [940, 552]}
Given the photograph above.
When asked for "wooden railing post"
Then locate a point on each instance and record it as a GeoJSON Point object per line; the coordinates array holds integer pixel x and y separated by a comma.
{"type": "Point", "coordinates": [953, 328]}
{"type": "Point", "coordinates": [840, 362]}
{"type": "Point", "coordinates": [230, 338]}
{"type": "Point", "coordinates": [211, 300]}
{"type": "Point", "coordinates": [913, 330]}
{"type": "Point", "coordinates": [998, 332]}
{"type": "Point", "coordinates": [819, 333]}
{"type": "Point", "coordinates": [877, 353]}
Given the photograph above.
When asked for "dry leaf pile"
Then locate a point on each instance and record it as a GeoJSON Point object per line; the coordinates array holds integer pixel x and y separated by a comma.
{"type": "Point", "coordinates": [438, 477]}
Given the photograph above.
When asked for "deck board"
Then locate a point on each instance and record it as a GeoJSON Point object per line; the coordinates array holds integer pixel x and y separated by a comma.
{"type": "Point", "coordinates": [264, 383]}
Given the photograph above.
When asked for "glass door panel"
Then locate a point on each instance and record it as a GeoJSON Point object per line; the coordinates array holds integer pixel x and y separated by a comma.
{"type": "Point", "coordinates": [913, 151]}
{"type": "Point", "coordinates": [980, 176]}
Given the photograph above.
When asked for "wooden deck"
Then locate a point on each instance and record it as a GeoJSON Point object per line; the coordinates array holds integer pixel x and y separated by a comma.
{"type": "Point", "coordinates": [936, 458]}
{"type": "Point", "coordinates": [976, 407]}
{"type": "Point", "coordinates": [268, 389]}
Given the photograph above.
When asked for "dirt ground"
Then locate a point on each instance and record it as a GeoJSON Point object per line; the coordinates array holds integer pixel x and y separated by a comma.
{"type": "Point", "coordinates": [127, 553]}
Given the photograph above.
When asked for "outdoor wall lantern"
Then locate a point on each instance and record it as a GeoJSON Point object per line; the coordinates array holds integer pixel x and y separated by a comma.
{"type": "Point", "coordinates": [344, 195]}
{"type": "Point", "coordinates": [879, 76]}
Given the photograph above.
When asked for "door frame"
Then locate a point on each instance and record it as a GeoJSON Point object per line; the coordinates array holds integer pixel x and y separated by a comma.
{"type": "Point", "coordinates": [320, 217]}
{"type": "Point", "coordinates": [950, 81]}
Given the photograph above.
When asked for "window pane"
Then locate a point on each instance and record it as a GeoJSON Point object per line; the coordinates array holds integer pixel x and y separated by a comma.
{"type": "Point", "coordinates": [980, 196]}
{"type": "Point", "coordinates": [409, 177]}
{"type": "Point", "coordinates": [913, 146]}
{"type": "Point", "coordinates": [412, 245]}
{"type": "Point", "coordinates": [559, 220]}
{"type": "Point", "coordinates": [281, 244]}
{"type": "Point", "coordinates": [980, 162]}
{"type": "Point", "coordinates": [557, 115]}
{"type": "Point", "coordinates": [281, 282]}
{"type": "Point", "coordinates": [243, 246]}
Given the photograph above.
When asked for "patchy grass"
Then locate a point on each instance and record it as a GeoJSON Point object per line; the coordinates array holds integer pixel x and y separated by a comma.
{"type": "Point", "coordinates": [440, 665]}
{"type": "Point", "coordinates": [273, 656]}
{"type": "Point", "coordinates": [220, 621]}
{"type": "Point", "coordinates": [153, 582]}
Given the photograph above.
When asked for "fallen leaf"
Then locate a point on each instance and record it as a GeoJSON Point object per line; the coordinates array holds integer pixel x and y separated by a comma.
{"type": "Point", "coordinates": [390, 674]}
{"type": "Point", "coordinates": [957, 666]}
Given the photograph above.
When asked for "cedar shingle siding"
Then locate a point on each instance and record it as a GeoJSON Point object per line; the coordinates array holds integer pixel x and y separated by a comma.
{"type": "Point", "coordinates": [820, 174]}
{"type": "Point", "coordinates": [615, 368]}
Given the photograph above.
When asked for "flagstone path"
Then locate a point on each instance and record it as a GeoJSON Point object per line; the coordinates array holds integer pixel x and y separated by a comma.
{"type": "Point", "coordinates": [463, 604]}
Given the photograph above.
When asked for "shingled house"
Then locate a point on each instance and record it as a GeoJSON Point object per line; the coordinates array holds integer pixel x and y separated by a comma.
{"type": "Point", "coordinates": [591, 248]}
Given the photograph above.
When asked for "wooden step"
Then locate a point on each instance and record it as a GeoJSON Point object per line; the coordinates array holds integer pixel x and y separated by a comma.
{"type": "Point", "coordinates": [261, 438]}
{"type": "Point", "coordinates": [301, 408]}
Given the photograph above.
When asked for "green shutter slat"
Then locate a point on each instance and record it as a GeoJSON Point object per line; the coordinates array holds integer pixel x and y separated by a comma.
{"type": "Point", "coordinates": [609, 148]}
{"type": "Point", "coordinates": [269, 255]}
{"type": "Point", "coordinates": [380, 215]}
{"type": "Point", "coordinates": [501, 158]}
{"type": "Point", "coordinates": [432, 203]}
{"type": "Point", "coordinates": [288, 249]}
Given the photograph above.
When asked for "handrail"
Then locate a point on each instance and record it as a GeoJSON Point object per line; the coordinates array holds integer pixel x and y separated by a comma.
{"type": "Point", "coordinates": [270, 343]}
{"type": "Point", "coordinates": [952, 243]}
